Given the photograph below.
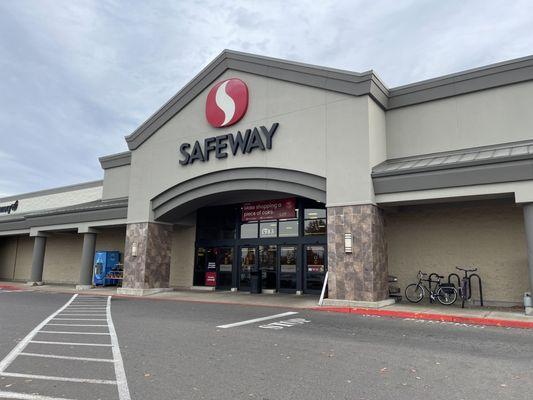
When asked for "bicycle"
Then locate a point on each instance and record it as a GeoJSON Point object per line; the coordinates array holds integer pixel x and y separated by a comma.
{"type": "Point", "coordinates": [444, 293]}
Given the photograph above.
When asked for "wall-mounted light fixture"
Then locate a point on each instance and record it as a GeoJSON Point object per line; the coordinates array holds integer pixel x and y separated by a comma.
{"type": "Point", "coordinates": [348, 243]}
{"type": "Point", "coordinates": [134, 249]}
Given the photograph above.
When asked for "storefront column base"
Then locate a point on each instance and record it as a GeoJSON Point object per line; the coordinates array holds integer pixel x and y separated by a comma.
{"type": "Point", "coordinates": [83, 287]}
{"type": "Point", "coordinates": [142, 292]}
{"type": "Point", "coordinates": [299, 292]}
{"type": "Point", "coordinates": [356, 304]}
{"type": "Point", "coordinates": [32, 283]}
{"type": "Point", "coordinates": [234, 289]}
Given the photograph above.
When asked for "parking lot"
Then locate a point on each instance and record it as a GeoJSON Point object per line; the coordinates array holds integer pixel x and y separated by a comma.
{"type": "Point", "coordinates": [59, 346]}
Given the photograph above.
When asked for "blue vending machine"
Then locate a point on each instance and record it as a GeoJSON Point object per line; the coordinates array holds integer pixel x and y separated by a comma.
{"type": "Point", "coordinates": [104, 263]}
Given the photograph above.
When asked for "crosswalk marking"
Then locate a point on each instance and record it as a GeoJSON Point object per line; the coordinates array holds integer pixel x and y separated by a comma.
{"type": "Point", "coordinates": [61, 318]}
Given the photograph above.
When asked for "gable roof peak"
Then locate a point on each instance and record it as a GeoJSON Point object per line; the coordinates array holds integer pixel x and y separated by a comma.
{"type": "Point", "coordinates": [353, 83]}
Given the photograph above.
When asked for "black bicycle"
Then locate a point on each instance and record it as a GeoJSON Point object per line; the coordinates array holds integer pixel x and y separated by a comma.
{"type": "Point", "coordinates": [444, 293]}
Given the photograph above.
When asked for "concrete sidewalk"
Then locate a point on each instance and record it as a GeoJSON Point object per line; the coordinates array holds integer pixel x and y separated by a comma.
{"type": "Point", "coordinates": [224, 297]}
{"type": "Point", "coordinates": [512, 317]}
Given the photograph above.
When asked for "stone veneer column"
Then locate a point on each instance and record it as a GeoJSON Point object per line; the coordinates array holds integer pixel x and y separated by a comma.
{"type": "Point", "coordinates": [359, 278]}
{"type": "Point", "coordinates": [149, 271]}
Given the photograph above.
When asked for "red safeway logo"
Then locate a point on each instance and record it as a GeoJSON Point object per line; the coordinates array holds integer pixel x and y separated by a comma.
{"type": "Point", "coordinates": [226, 103]}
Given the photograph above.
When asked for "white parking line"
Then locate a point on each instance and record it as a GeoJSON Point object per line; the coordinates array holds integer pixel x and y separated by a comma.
{"type": "Point", "coordinates": [108, 360]}
{"type": "Point", "coordinates": [252, 321]}
{"type": "Point", "coordinates": [122, 383]}
{"type": "Point", "coordinates": [83, 315]}
{"type": "Point", "coordinates": [71, 343]}
{"type": "Point", "coordinates": [80, 319]}
{"type": "Point", "coordinates": [76, 333]}
{"type": "Point", "coordinates": [24, 396]}
{"type": "Point", "coordinates": [58, 378]}
{"type": "Point", "coordinates": [76, 324]}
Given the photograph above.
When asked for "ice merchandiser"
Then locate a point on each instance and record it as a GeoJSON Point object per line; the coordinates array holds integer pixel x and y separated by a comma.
{"type": "Point", "coordinates": [104, 263]}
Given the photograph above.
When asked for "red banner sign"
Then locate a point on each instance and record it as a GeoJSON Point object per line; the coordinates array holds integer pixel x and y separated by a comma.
{"type": "Point", "coordinates": [210, 279]}
{"type": "Point", "coordinates": [269, 209]}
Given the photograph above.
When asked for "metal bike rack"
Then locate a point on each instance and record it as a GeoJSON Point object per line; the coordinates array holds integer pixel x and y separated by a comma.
{"type": "Point", "coordinates": [468, 296]}
{"type": "Point", "coordinates": [480, 287]}
{"type": "Point", "coordinates": [457, 277]}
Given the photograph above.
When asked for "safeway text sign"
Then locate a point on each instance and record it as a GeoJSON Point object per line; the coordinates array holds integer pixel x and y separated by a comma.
{"type": "Point", "coordinates": [269, 209]}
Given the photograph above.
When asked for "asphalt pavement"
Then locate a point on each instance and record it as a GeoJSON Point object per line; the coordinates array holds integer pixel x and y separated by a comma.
{"type": "Point", "coordinates": [185, 350]}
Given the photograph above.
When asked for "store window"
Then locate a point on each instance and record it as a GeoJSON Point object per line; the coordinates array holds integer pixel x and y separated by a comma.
{"type": "Point", "coordinates": [268, 229]}
{"type": "Point", "coordinates": [315, 221]}
{"type": "Point", "coordinates": [249, 230]}
{"type": "Point", "coordinates": [289, 227]}
{"type": "Point", "coordinates": [217, 223]}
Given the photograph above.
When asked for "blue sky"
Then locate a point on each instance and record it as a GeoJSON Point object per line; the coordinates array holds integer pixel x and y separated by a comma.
{"type": "Point", "coordinates": [77, 76]}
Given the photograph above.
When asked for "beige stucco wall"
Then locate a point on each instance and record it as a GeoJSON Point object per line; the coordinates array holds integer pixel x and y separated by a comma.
{"type": "Point", "coordinates": [436, 238]}
{"type": "Point", "coordinates": [116, 182]}
{"type": "Point", "coordinates": [62, 258]}
{"type": "Point", "coordinates": [487, 117]}
{"type": "Point", "coordinates": [182, 256]}
{"type": "Point", "coordinates": [8, 252]}
{"type": "Point", "coordinates": [325, 133]}
{"type": "Point", "coordinates": [111, 240]}
{"type": "Point", "coordinates": [63, 253]}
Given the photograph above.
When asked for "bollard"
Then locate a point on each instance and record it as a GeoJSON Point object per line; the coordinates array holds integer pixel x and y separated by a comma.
{"type": "Point", "coordinates": [528, 303]}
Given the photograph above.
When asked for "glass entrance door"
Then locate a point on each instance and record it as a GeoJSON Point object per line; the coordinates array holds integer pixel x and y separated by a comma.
{"type": "Point", "coordinates": [268, 264]}
{"type": "Point", "coordinates": [247, 262]}
{"type": "Point", "coordinates": [288, 261]}
{"type": "Point", "coordinates": [315, 268]}
{"type": "Point", "coordinates": [199, 267]}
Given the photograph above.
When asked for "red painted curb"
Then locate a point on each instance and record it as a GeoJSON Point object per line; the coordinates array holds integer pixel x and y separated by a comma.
{"type": "Point", "coordinates": [504, 323]}
{"type": "Point", "coordinates": [9, 287]}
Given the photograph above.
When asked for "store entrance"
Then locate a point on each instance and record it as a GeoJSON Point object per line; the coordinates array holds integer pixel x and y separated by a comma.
{"type": "Point", "coordinates": [287, 247]}
{"type": "Point", "coordinates": [278, 267]}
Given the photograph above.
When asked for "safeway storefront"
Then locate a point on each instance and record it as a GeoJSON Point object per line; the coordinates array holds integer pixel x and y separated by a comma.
{"type": "Point", "coordinates": [293, 170]}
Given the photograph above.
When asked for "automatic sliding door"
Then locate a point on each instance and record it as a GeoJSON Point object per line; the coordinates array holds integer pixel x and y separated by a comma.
{"type": "Point", "coordinates": [268, 264]}
{"type": "Point", "coordinates": [247, 263]}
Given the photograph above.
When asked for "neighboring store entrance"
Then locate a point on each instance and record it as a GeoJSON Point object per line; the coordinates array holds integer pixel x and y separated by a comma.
{"type": "Point", "coordinates": [214, 267]}
{"type": "Point", "coordinates": [289, 253]}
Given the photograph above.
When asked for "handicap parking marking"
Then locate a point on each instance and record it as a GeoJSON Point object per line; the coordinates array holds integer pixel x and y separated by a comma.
{"type": "Point", "coordinates": [450, 323]}
{"type": "Point", "coordinates": [46, 341]}
{"type": "Point", "coordinates": [285, 324]}
{"type": "Point", "coordinates": [255, 320]}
